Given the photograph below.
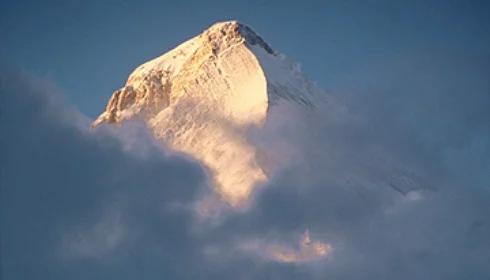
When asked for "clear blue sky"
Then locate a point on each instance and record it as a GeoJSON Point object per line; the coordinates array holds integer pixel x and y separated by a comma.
{"type": "Point", "coordinates": [89, 47]}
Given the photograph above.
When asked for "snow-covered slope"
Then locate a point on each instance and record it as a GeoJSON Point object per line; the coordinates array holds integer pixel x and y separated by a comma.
{"type": "Point", "coordinates": [202, 96]}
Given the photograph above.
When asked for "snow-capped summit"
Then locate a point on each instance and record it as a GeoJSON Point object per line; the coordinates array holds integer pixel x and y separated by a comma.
{"type": "Point", "coordinates": [231, 30]}
{"type": "Point", "coordinates": [200, 97]}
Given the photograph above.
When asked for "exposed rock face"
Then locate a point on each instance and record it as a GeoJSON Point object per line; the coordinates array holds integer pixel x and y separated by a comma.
{"type": "Point", "coordinates": [200, 98]}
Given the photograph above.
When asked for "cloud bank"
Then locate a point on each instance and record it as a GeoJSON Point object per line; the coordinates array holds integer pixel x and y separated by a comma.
{"type": "Point", "coordinates": [385, 194]}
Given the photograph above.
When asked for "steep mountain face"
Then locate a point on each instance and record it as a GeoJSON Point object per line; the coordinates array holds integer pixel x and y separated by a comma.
{"type": "Point", "coordinates": [201, 97]}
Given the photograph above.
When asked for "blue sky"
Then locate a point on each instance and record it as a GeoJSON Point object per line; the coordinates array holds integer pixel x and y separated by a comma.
{"type": "Point", "coordinates": [89, 47]}
{"type": "Point", "coordinates": [108, 204]}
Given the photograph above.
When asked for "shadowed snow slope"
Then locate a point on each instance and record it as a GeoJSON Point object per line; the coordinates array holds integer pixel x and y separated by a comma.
{"type": "Point", "coordinates": [200, 97]}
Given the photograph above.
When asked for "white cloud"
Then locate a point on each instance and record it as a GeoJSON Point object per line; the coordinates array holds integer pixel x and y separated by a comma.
{"type": "Point", "coordinates": [307, 250]}
{"type": "Point", "coordinates": [60, 184]}
{"type": "Point", "coordinates": [97, 240]}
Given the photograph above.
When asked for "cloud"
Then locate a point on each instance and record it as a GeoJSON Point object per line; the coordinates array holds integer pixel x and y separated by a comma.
{"type": "Point", "coordinates": [70, 192]}
{"type": "Point", "coordinates": [306, 251]}
{"type": "Point", "coordinates": [98, 239]}
{"type": "Point", "coordinates": [381, 196]}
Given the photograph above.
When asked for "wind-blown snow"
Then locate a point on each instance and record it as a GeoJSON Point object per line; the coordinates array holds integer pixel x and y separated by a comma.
{"type": "Point", "coordinates": [201, 97]}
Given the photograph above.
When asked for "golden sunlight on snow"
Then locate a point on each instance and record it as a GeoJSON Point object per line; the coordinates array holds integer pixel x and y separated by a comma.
{"type": "Point", "coordinates": [202, 97]}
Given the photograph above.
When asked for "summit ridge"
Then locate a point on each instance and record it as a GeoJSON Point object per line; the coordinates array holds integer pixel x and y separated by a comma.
{"type": "Point", "coordinates": [234, 29]}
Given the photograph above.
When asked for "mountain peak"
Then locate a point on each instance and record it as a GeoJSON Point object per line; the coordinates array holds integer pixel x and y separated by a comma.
{"type": "Point", "coordinates": [200, 97]}
{"type": "Point", "coordinates": [231, 30]}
